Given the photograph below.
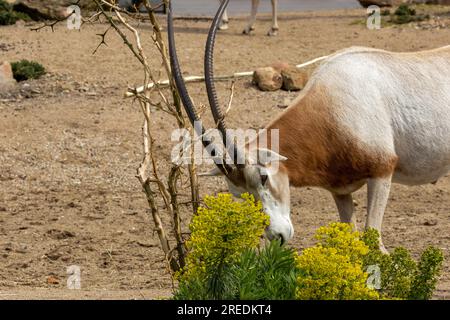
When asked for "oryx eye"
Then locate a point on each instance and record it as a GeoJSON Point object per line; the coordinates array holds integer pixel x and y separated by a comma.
{"type": "Point", "coordinates": [264, 179]}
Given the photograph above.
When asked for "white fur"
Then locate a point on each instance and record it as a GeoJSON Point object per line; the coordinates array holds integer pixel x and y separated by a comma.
{"type": "Point", "coordinates": [396, 104]}
{"type": "Point", "coordinates": [277, 209]}
{"type": "Point", "coordinates": [381, 100]}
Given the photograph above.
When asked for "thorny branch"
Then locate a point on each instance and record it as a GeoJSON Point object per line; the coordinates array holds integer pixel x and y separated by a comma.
{"type": "Point", "coordinates": [102, 42]}
{"type": "Point", "coordinates": [52, 24]}
{"type": "Point", "coordinates": [160, 180]}
{"type": "Point", "coordinates": [156, 188]}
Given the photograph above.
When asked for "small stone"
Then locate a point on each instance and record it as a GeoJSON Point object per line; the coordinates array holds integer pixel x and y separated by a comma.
{"type": "Point", "coordinates": [53, 255]}
{"type": "Point", "coordinates": [145, 244]}
{"type": "Point", "coordinates": [60, 234]}
{"type": "Point", "coordinates": [283, 105]}
{"type": "Point", "coordinates": [52, 280]}
{"type": "Point", "coordinates": [71, 205]}
{"type": "Point", "coordinates": [294, 79]}
{"type": "Point", "coordinates": [267, 79]}
{"type": "Point", "coordinates": [6, 75]}
{"type": "Point", "coordinates": [430, 223]}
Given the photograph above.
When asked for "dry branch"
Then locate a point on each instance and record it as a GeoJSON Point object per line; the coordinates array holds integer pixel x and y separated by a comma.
{"type": "Point", "coordinates": [159, 187]}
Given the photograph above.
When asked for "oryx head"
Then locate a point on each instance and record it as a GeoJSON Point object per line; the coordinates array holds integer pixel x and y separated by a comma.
{"type": "Point", "coordinates": [248, 168]}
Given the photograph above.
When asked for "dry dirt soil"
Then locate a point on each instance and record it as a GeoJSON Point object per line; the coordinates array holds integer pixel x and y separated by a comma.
{"type": "Point", "coordinates": [70, 145]}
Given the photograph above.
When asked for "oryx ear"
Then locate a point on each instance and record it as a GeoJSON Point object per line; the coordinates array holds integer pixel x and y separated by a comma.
{"type": "Point", "coordinates": [212, 173]}
{"type": "Point", "coordinates": [267, 156]}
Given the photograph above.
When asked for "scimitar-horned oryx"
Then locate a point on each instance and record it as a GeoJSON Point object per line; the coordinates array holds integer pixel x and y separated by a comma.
{"type": "Point", "coordinates": [366, 117]}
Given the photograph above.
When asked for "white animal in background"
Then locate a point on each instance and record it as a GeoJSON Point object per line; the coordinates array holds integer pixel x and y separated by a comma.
{"type": "Point", "coordinates": [366, 117]}
{"type": "Point", "coordinates": [138, 4]}
{"type": "Point", "coordinates": [250, 26]}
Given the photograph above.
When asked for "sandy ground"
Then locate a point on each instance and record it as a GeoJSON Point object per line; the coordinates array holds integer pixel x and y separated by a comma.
{"type": "Point", "coordinates": [70, 145]}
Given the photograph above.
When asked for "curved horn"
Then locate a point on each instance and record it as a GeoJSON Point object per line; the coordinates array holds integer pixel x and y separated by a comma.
{"type": "Point", "coordinates": [209, 71]}
{"type": "Point", "coordinates": [176, 71]}
{"type": "Point", "coordinates": [184, 95]}
{"type": "Point", "coordinates": [216, 110]}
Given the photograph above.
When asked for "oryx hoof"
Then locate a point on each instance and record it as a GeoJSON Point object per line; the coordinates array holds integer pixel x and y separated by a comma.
{"type": "Point", "coordinates": [248, 30]}
{"type": "Point", "coordinates": [383, 248]}
{"type": "Point", "coordinates": [273, 32]}
{"type": "Point", "coordinates": [224, 26]}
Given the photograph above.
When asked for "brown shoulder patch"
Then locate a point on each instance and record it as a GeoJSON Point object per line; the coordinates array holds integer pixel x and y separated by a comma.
{"type": "Point", "coordinates": [319, 152]}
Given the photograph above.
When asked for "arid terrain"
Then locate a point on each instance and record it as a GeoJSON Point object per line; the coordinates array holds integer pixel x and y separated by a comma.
{"type": "Point", "coordinates": [70, 145]}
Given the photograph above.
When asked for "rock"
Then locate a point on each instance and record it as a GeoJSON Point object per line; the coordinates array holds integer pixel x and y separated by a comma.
{"type": "Point", "coordinates": [87, 5]}
{"type": "Point", "coordinates": [441, 2]}
{"type": "Point", "coordinates": [294, 79]}
{"type": "Point", "coordinates": [430, 223]}
{"type": "Point", "coordinates": [381, 3]}
{"type": "Point", "coordinates": [284, 104]}
{"type": "Point", "coordinates": [60, 234]}
{"type": "Point", "coordinates": [6, 75]}
{"type": "Point", "coordinates": [52, 280]}
{"type": "Point", "coordinates": [267, 79]}
{"type": "Point", "coordinates": [43, 9]}
{"type": "Point", "coordinates": [392, 3]}
{"type": "Point", "coordinates": [280, 66]}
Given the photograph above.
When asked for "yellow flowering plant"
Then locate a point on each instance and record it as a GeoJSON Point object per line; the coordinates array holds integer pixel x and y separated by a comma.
{"type": "Point", "coordinates": [333, 269]}
{"type": "Point", "coordinates": [222, 230]}
{"type": "Point", "coordinates": [226, 261]}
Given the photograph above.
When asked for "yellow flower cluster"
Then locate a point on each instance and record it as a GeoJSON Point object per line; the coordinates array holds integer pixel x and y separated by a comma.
{"type": "Point", "coordinates": [333, 269]}
{"type": "Point", "coordinates": [222, 230]}
{"type": "Point", "coordinates": [343, 238]}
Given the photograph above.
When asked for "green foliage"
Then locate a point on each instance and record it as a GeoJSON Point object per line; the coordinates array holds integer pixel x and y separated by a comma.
{"type": "Point", "coordinates": [268, 273]}
{"type": "Point", "coordinates": [24, 70]}
{"type": "Point", "coordinates": [11, 17]}
{"type": "Point", "coordinates": [333, 270]}
{"type": "Point", "coordinates": [4, 6]}
{"type": "Point", "coordinates": [405, 10]}
{"type": "Point", "coordinates": [371, 238]}
{"type": "Point", "coordinates": [226, 262]}
{"type": "Point", "coordinates": [406, 14]}
{"type": "Point", "coordinates": [401, 276]}
{"type": "Point", "coordinates": [8, 16]}
{"type": "Point", "coordinates": [426, 276]}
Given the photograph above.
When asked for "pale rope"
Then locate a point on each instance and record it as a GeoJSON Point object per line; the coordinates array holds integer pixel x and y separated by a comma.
{"type": "Point", "coordinates": [164, 83]}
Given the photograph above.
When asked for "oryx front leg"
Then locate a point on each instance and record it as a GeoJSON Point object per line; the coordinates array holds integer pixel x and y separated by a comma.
{"type": "Point", "coordinates": [377, 197]}
{"type": "Point", "coordinates": [346, 208]}
{"type": "Point", "coordinates": [274, 30]}
{"type": "Point", "coordinates": [224, 21]}
{"type": "Point", "coordinates": [251, 22]}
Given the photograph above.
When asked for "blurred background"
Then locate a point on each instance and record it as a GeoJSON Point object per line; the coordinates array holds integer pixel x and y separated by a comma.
{"type": "Point", "coordinates": [209, 7]}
